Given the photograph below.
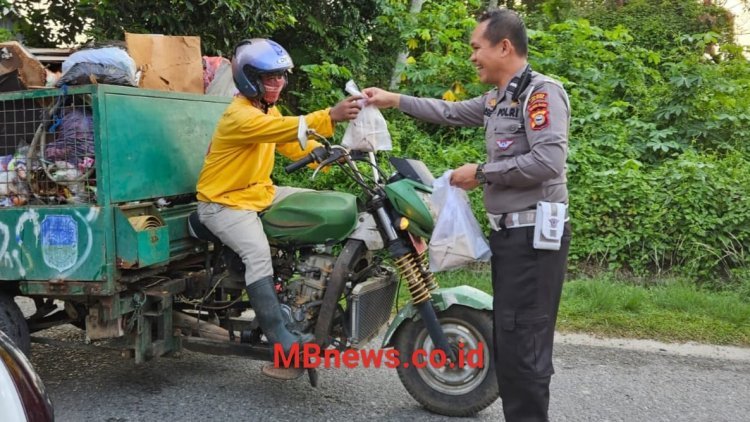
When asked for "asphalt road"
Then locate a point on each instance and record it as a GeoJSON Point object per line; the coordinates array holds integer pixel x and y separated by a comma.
{"type": "Point", "coordinates": [595, 381]}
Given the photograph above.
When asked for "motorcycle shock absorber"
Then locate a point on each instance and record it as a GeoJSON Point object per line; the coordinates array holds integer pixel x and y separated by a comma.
{"type": "Point", "coordinates": [410, 267]}
{"type": "Point", "coordinates": [411, 270]}
{"type": "Point", "coordinates": [427, 276]}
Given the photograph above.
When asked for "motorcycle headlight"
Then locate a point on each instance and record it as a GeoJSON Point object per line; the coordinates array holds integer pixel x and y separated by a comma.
{"type": "Point", "coordinates": [426, 198]}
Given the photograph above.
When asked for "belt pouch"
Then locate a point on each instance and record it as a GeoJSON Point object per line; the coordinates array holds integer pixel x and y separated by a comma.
{"type": "Point", "coordinates": [550, 222]}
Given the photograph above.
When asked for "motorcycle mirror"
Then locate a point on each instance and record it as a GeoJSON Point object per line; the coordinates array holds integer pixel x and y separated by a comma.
{"type": "Point", "coordinates": [302, 132]}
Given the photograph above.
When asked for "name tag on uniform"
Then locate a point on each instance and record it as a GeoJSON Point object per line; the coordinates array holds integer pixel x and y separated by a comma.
{"type": "Point", "coordinates": [511, 112]}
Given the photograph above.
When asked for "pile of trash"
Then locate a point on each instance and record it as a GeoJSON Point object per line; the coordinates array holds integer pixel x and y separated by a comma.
{"type": "Point", "coordinates": [48, 145]}
{"type": "Point", "coordinates": [57, 171]}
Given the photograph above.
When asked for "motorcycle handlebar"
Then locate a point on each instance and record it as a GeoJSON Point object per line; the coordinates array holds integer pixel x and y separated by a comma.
{"type": "Point", "coordinates": [299, 164]}
{"type": "Point", "coordinates": [316, 155]}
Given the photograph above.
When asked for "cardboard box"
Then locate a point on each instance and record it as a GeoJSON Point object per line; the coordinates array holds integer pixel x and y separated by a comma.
{"type": "Point", "coordinates": [19, 69]}
{"type": "Point", "coordinates": [167, 63]}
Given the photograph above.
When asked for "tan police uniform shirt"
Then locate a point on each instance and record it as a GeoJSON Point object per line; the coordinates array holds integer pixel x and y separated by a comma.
{"type": "Point", "coordinates": [527, 141]}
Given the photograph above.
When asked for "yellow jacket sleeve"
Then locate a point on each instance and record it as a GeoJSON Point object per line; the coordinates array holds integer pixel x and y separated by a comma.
{"type": "Point", "coordinates": [237, 168]}
{"type": "Point", "coordinates": [292, 150]}
{"type": "Point", "coordinates": [244, 124]}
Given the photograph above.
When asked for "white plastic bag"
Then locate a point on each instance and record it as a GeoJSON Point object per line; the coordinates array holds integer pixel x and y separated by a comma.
{"type": "Point", "coordinates": [368, 131]}
{"type": "Point", "coordinates": [457, 239]}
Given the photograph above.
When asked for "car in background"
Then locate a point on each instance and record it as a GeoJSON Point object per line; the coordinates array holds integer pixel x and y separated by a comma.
{"type": "Point", "coordinates": [22, 394]}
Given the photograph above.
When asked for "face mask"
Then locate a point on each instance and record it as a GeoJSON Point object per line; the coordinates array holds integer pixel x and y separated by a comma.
{"type": "Point", "coordinates": [273, 87]}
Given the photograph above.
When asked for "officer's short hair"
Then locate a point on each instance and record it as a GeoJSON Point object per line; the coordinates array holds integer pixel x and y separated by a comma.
{"type": "Point", "coordinates": [505, 23]}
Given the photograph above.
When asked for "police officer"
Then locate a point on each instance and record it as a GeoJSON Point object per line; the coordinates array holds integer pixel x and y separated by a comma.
{"type": "Point", "coordinates": [526, 120]}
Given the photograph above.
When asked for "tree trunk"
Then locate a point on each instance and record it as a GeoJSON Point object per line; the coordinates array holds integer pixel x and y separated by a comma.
{"type": "Point", "coordinates": [492, 4]}
{"type": "Point", "coordinates": [416, 7]}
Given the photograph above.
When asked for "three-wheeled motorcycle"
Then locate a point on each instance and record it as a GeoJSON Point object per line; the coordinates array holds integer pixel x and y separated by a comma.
{"type": "Point", "coordinates": [114, 236]}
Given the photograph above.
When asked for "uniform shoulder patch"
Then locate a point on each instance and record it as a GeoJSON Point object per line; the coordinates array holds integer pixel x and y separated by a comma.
{"type": "Point", "coordinates": [538, 97]}
{"type": "Point", "coordinates": [537, 110]}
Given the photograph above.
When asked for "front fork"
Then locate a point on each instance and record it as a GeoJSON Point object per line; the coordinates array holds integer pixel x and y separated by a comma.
{"type": "Point", "coordinates": [413, 267]}
{"type": "Point", "coordinates": [420, 281]}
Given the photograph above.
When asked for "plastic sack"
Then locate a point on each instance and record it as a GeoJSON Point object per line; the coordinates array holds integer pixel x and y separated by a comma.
{"type": "Point", "coordinates": [74, 141]}
{"type": "Point", "coordinates": [222, 84]}
{"type": "Point", "coordinates": [457, 239]}
{"type": "Point", "coordinates": [90, 73]}
{"type": "Point", "coordinates": [109, 65]}
{"type": "Point", "coordinates": [369, 130]}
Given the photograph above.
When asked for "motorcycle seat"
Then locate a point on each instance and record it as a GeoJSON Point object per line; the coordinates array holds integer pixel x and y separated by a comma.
{"type": "Point", "coordinates": [200, 231]}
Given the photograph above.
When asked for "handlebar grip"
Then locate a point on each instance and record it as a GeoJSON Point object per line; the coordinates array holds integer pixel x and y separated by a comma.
{"type": "Point", "coordinates": [299, 164]}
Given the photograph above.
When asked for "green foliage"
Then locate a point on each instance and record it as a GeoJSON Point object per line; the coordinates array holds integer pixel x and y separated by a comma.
{"type": "Point", "coordinates": [658, 158]}
{"type": "Point", "coordinates": [5, 35]}
{"type": "Point", "coordinates": [659, 24]}
{"type": "Point", "coordinates": [436, 39]}
{"type": "Point", "coordinates": [220, 23]}
{"type": "Point", "coordinates": [685, 214]}
{"type": "Point", "coordinates": [326, 81]}
{"type": "Point", "coordinates": [41, 16]}
{"type": "Point", "coordinates": [659, 163]}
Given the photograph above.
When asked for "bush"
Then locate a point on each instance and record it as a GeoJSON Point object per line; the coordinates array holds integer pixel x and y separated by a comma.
{"type": "Point", "coordinates": [686, 215]}
{"type": "Point", "coordinates": [659, 163]}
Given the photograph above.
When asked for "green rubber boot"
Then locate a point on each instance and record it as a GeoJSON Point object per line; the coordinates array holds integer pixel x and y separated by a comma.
{"type": "Point", "coordinates": [268, 311]}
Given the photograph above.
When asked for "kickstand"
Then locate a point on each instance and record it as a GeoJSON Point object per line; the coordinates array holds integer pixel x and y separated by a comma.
{"type": "Point", "coordinates": [312, 373]}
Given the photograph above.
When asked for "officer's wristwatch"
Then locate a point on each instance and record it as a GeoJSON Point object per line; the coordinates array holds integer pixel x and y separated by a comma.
{"type": "Point", "coordinates": [479, 175]}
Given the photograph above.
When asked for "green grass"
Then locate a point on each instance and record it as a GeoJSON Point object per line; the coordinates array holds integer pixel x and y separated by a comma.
{"type": "Point", "coordinates": [667, 310]}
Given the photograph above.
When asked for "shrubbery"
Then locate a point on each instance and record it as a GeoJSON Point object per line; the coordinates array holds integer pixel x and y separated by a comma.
{"type": "Point", "coordinates": [659, 165]}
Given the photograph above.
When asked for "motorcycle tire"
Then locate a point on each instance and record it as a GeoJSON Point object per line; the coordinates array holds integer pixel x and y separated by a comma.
{"type": "Point", "coordinates": [13, 323]}
{"type": "Point", "coordinates": [449, 391]}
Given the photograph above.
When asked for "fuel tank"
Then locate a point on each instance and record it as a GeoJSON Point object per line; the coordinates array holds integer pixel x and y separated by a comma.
{"type": "Point", "coordinates": [311, 218]}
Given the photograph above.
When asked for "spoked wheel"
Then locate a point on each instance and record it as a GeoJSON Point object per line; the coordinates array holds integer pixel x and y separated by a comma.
{"type": "Point", "coordinates": [456, 391]}
{"type": "Point", "coordinates": [13, 323]}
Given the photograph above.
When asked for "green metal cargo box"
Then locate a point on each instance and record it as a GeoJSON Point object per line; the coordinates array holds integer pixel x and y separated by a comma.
{"type": "Point", "coordinates": [85, 177]}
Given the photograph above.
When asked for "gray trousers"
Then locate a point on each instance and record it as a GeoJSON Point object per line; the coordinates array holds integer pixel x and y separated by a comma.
{"type": "Point", "coordinates": [242, 231]}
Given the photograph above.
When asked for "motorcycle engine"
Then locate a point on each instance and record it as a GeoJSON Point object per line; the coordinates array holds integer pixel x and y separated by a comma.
{"type": "Point", "coordinates": [303, 294]}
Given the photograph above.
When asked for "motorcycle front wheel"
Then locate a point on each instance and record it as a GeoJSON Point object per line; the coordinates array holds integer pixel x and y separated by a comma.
{"type": "Point", "coordinates": [462, 388]}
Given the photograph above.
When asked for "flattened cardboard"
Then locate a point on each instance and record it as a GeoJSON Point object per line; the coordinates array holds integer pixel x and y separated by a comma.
{"type": "Point", "coordinates": [167, 63]}
{"type": "Point", "coordinates": [14, 57]}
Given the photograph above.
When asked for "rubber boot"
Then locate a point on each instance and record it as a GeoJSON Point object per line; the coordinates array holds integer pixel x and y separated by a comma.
{"type": "Point", "coordinates": [267, 309]}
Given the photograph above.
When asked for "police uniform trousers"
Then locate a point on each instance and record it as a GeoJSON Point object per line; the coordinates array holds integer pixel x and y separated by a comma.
{"type": "Point", "coordinates": [527, 284]}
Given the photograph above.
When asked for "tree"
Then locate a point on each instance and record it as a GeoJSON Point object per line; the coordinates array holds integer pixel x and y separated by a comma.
{"type": "Point", "coordinates": [49, 23]}
{"type": "Point", "coordinates": [416, 7]}
{"type": "Point", "coordinates": [219, 22]}
{"type": "Point", "coordinates": [660, 24]}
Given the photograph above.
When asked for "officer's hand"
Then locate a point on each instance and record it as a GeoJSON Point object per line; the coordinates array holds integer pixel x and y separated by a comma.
{"type": "Point", "coordinates": [381, 98]}
{"type": "Point", "coordinates": [347, 109]}
{"type": "Point", "coordinates": [464, 177]}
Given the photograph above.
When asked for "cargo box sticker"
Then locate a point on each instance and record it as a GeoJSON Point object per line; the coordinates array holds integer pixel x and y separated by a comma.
{"type": "Point", "coordinates": [59, 241]}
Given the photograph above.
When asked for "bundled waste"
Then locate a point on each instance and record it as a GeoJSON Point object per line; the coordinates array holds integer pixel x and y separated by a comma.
{"type": "Point", "coordinates": [48, 145]}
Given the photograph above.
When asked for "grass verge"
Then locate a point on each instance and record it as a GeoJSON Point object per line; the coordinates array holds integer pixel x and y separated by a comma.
{"type": "Point", "coordinates": [667, 310]}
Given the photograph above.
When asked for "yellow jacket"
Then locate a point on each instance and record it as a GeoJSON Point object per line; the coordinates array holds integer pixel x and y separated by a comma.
{"type": "Point", "coordinates": [240, 158]}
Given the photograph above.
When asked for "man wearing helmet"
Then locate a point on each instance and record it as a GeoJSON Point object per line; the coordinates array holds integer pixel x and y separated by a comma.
{"type": "Point", "coordinates": [235, 182]}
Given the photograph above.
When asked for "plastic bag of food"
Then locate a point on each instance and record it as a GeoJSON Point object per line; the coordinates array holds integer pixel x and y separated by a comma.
{"type": "Point", "coordinates": [457, 240]}
{"type": "Point", "coordinates": [369, 130]}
